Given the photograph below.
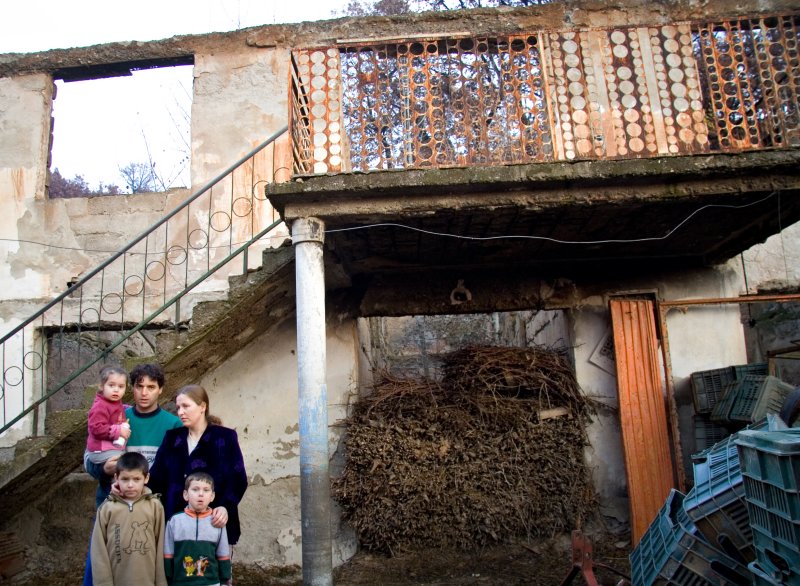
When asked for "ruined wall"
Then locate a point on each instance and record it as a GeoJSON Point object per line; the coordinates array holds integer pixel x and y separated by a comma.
{"type": "Point", "coordinates": [775, 263]}
{"type": "Point", "coordinates": [255, 392]}
{"type": "Point", "coordinates": [708, 338]}
{"type": "Point", "coordinates": [25, 122]}
{"type": "Point", "coordinates": [239, 99]}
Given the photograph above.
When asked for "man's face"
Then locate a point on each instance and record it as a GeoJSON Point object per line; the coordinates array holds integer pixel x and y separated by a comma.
{"type": "Point", "coordinates": [145, 394]}
{"type": "Point", "coordinates": [131, 483]}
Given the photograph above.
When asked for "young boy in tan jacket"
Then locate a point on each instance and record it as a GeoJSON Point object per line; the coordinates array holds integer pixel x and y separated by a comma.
{"type": "Point", "coordinates": [128, 536]}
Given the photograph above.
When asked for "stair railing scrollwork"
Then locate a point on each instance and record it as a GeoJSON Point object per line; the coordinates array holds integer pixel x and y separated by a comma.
{"type": "Point", "coordinates": [153, 282]}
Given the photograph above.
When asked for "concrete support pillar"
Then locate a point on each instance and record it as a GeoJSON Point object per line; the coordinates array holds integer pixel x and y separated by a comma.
{"type": "Point", "coordinates": [308, 236]}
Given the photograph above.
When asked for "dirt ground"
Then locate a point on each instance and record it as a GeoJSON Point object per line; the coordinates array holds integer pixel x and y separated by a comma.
{"type": "Point", "coordinates": [543, 563]}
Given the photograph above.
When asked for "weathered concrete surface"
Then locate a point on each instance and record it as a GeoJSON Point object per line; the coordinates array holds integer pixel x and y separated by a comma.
{"type": "Point", "coordinates": [468, 187]}
{"type": "Point", "coordinates": [55, 526]}
{"type": "Point", "coordinates": [568, 215]}
{"type": "Point", "coordinates": [254, 390]}
{"type": "Point", "coordinates": [555, 16]}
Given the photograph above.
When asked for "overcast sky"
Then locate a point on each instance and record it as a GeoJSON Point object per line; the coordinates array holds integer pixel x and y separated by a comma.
{"type": "Point", "coordinates": [38, 25]}
{"type": "Point", "coordinates": [103, 125]}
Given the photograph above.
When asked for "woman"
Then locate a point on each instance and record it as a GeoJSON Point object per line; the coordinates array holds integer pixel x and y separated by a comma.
{"type": "Point", "coordinates": [202, 444]}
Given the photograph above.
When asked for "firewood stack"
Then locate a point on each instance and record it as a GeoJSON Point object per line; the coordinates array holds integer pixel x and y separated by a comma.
{"type": "Point", "coordinates": [491, 454]}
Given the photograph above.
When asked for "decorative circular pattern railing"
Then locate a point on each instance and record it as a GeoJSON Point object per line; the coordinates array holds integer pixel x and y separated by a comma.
{"type": "Point", "coordinates": [622, 92]}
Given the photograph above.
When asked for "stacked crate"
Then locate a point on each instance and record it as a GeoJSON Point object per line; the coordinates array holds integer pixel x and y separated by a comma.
{"type": "Point", "coordinates": [708, 389]}
{"type": "Point", "coordinates": [716, 502]}
{"type": "Point", "coordinates": [770, 463]}
{"type": "Point", "coordinates": [749, 399]}
{"type": "Point", "coordinates": [697, 534]}
{"type": "Point", "coordinates": [673, 552]}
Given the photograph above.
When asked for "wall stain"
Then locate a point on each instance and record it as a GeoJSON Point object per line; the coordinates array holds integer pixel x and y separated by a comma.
{"type": "Point", "coordinates": [286, 450]}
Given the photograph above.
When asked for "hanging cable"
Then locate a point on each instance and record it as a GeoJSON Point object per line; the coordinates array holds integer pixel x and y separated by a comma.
{"type": "Point", "coordinates": [556, 240]}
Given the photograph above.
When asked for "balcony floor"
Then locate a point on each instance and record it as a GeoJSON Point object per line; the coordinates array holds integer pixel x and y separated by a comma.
{"type": "Point", "coordinates": [676, 211]}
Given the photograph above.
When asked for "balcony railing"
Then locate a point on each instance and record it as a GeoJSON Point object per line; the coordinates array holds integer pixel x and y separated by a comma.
{"type": "Point", "coordinates": [625, 92]}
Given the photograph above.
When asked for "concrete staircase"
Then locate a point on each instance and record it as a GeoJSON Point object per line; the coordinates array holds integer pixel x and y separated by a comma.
{"type": "Point", "coordinates": [257, 301]}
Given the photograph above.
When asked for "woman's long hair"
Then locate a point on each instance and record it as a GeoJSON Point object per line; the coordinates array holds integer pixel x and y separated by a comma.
{"type": "Point", "coordinates": [199, 395]}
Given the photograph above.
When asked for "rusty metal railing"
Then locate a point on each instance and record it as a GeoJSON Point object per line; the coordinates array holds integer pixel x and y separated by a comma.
{"type": "Point", "coordinates": [148, 282]}
{"type": "Point", "coordinates": [624, 92]}
{"type": "Point", "coordinates": [300, 123]}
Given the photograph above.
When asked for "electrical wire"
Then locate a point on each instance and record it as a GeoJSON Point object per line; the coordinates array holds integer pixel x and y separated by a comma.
{"type": "Point", "coordinates": [556, 240]}
{"type": "Point", "coordinates": [443, 234]}
{"type": "Point", "coordinates": [151, 253]}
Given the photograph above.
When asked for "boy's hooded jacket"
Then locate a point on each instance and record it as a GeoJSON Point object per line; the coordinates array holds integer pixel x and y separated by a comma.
{"type": "Point", "coordinates": [196, 552]}
{"type": "Point", "coordinates": [128, 541]}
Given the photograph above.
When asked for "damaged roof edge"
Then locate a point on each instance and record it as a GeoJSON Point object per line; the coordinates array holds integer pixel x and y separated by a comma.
{"type": "Point", "coordinates": [566, 14]}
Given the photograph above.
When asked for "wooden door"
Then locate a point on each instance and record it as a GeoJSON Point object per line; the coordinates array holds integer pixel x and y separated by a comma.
{"type": "Point", "coordinates": [643, 413]}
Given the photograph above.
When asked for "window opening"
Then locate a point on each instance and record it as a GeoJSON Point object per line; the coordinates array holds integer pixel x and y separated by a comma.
{"type": "Point", "coordinates": [124, 134]}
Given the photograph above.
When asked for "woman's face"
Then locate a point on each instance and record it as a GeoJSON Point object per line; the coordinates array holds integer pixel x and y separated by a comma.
{"type": "Point", "coordinates": [191, 414]}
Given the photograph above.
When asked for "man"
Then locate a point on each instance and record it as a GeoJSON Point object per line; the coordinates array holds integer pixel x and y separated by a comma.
{"type": "Point", "coordinates": [149, 422]}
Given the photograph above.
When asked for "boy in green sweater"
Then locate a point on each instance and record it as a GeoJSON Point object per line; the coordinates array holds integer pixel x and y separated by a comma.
{"type": "Point", "coordinates": [196, 552]}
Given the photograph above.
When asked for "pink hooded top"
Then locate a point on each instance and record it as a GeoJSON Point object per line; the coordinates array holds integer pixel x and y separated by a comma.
{"type": "Point", "coordinates": [105, 418]}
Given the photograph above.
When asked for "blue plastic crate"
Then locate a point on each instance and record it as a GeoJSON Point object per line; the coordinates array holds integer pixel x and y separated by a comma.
{"type": "Point", "coordinates": [771, 456]}
{"type": "Point", "coordinates": [770, 462]}
{"type": "Point", "coordinates": [775, 538]}
{"type": "Point", "coordinates": [716, 503]}
{"type": "Point", "coordinates": [762, 578]}
{"type": "Point", "coordinates": [776, 569]}
{"type": "Point", "coordinates": [721, 461]}
{"type": "Point", "coordinates": [653, 549]}
{"type": "Point", "coordinates": [757, 395]}
{"type": "Point", "coordinates": [783, 502]}
{"type": "Point", "coordinates": [756, 368]}
{"type": "Point", "coordinates": [707, 387]}
{"type": "Point", "coordinates": [707, 432]}
{"type": "Point", "coordinates": [726, 401]}
{"type": "Point", "coordinates": [672, 551]}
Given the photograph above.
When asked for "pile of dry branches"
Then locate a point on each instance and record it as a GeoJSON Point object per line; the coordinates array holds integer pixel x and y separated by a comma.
{"type": "Point", "coordinates": [471, 460]}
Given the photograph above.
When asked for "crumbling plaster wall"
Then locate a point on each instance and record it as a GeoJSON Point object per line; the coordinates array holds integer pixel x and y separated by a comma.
{"type": "Point", "coordinates": [240, 99]}
{"type": "Point", "coordinates": [25, 126]}
{"type": "Point", "coordinates": [255, 392]}
{"type": "Point", "coordinates": [703, 338]}
{"type": "Point", "coordinates": [775, 263]}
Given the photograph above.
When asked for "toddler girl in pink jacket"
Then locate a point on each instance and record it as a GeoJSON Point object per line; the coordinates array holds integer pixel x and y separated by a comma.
{"type": "Point", "coordinates": [108, 427]}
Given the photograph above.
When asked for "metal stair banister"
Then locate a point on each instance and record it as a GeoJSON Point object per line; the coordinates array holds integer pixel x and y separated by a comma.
{"type": "Point", "coordinates": [137, 284]}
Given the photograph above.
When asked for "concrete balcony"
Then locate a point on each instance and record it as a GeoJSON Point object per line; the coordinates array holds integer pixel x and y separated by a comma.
{"type": "Point", "coordinates": [556, 151]}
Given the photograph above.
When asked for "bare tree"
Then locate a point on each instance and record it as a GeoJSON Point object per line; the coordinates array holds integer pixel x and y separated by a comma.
{"type": "Point", "coordinates": [391, 7]}
{"type": "Point", "coordinates": [61, 187]}
{"type": "Point", "coordinates": [139, 177]}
